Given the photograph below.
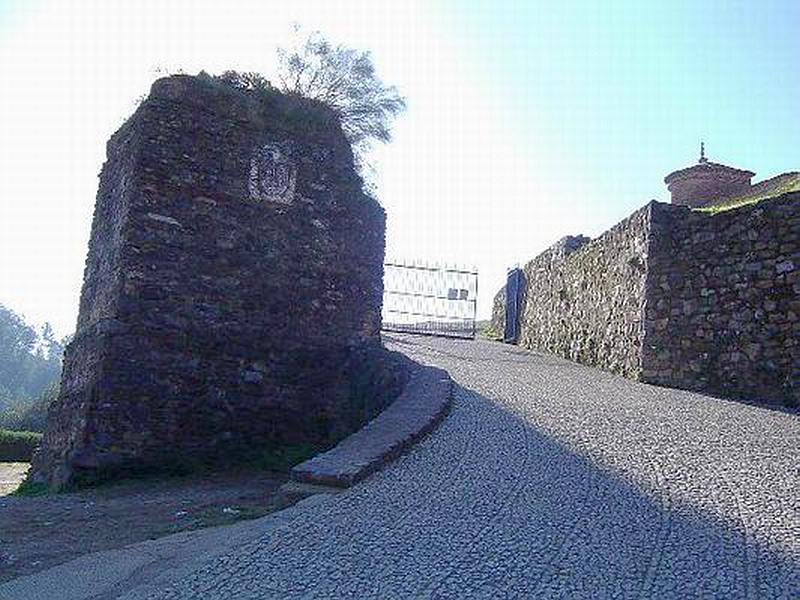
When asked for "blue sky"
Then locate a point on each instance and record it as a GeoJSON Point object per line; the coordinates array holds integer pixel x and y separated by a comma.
{"type": "Point", "coordinates": [526, 121]}
{"type": "Point", "coordinates": [620, 92]}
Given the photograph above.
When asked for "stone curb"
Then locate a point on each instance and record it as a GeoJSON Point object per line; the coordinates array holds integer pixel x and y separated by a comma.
{"type": "Point", "coordinates": [421, 406]}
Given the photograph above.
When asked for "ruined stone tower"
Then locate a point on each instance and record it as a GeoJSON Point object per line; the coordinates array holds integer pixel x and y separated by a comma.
{"type": "Point", "coordinates": [234, 269]}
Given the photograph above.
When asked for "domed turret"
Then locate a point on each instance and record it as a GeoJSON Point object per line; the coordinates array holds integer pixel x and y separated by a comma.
{"type": "Point", "coordinates": [707, 183]}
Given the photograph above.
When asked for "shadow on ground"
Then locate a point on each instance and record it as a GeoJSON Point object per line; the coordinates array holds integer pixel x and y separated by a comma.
{"type": "Point", "coordinates": [547, 480]}
{"type": "Point", "coordinates": [604, 527]}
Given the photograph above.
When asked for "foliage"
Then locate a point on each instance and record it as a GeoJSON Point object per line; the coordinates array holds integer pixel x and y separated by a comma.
{"type": "Point", "coordinates": [784, 186]}
{"type": "Point", "coordinates": [280, 459]}
{"type": "Point", "coordinates": [345, 80]}
{"type": "Point", "coordinates": [257, 458]}
{"type": "Point", "coordinates": [486, 331]}
{"type": "Point", "coordinates": [17, 358]}
{"type": "Point", "coordinates": [247, 80]}
{"type": "Point", "coordinates": [18, 446]}
{"type": "Point", "coordinates": [31, 489]}
{"type": "Point", "coordinates": [309, 117]}
{"type": "Point", "coordinates": [29, 360]}
{"type": "Point", "coordinates": [30, 367]}
{"type": "Point", "coordinates": [29, 415]}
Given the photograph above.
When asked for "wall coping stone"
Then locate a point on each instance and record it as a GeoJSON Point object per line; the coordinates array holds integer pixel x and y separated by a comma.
{"type": "Point", "coordinates": [421, 406]}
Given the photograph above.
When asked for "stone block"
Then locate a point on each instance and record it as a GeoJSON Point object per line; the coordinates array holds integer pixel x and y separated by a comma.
{"type": "Point", "coordinates": [710, 279]}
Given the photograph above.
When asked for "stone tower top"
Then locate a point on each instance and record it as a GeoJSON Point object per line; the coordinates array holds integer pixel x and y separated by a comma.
{"type": "Point", "coordinates": [706, 182]}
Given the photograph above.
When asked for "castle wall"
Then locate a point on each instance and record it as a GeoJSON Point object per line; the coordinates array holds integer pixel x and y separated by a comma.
{"type": "Point", "coordinates": [678, 298]}
{"type": "Point", "coordinates": [584, 299]}
{"type": "Point", "coordinates": [497, 323]}
{"type": "Point", "coordinates": [232, 288]}
{"type": "Point", "coordinates": [723, 300]}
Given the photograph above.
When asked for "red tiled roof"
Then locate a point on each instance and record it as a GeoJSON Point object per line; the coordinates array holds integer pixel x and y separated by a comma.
{"type": "Point", "coordinates": [707, 167]}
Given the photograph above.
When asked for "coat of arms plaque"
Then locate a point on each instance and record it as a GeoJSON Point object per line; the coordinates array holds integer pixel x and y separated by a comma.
{"type": "Point", "coordinates": [272, 175]}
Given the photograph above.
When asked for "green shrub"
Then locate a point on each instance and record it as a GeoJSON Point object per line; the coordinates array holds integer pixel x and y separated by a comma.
{"type": "Point", "coordinates": [487, 332]}
{"type": "Point", "coordinates": [276, 458]}
{"type": "Point", "coordinates": [18, 446]}
{"type": "Point", "coordinates": [281, 459]}
{"type": "Point", "coordinates": [30, 489]}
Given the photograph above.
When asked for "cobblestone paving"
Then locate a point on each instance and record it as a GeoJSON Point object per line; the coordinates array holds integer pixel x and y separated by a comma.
{"type": "Point", "coordinates": [548, 480]}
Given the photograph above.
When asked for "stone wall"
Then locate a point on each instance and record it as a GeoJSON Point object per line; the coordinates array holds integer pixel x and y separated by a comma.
{"type": "Point", "coordinates": [497, 323]}
{"type": "Point", "coordinates": [680, 298]}
{"type": "Point", "coordinates": [583, 299]}
{"type": "Point", "coordinates": [723, 299]}
{"type": "Point", "coordinates": [232, 289]}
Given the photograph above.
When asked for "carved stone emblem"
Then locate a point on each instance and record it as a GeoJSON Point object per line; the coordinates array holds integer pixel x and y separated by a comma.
{"type": "Point", "coordinates": [272, 175]}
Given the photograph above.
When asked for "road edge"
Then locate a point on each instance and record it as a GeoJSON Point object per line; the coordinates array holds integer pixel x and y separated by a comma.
{"type": "Point", "coordinates": [421, 406]}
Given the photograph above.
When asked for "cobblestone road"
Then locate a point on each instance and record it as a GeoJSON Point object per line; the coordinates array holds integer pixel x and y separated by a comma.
{"type": "Point", "coordinates": [548, 480]}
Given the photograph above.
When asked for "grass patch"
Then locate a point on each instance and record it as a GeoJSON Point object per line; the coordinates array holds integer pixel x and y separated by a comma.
{"type": "Point", "coordinates": [29, 489]}
{"type": "Point", "coordinates": [278, 459]}
{"type": "Point", "coordinates": [487, 332]}
{"type": "Point", "coordinates": [18, 446]}
{"type": "Point", "coordinates": [292, 111]}
{"type": "Point", "coordinates": [785, 185]}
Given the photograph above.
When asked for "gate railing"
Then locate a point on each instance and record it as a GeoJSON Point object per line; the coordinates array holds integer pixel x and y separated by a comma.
{"type": "Point", "coordinates": [430, 299]}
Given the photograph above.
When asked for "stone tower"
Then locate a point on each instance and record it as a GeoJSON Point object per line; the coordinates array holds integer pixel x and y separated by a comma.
{"type": "Point", "coordinates": [706, 183]}
{"type": "Point", "coordinates": [234, 271]}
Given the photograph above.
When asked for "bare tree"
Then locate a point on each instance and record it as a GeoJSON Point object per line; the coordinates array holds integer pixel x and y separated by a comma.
{"type": "Point", "coordinates": [345, 80]}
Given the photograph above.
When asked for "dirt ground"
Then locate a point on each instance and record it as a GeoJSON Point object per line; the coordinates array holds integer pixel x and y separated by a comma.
{"type": "Point", "coordinates": [40, 532]}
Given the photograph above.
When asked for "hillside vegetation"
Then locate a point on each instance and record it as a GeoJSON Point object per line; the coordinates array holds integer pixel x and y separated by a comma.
{"type": "Point", "coordinates": [771, 188]}
{"type": "Point", "coordinates": [30, 368]}
{"type": "Point", "coordinates": [18, 446]}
